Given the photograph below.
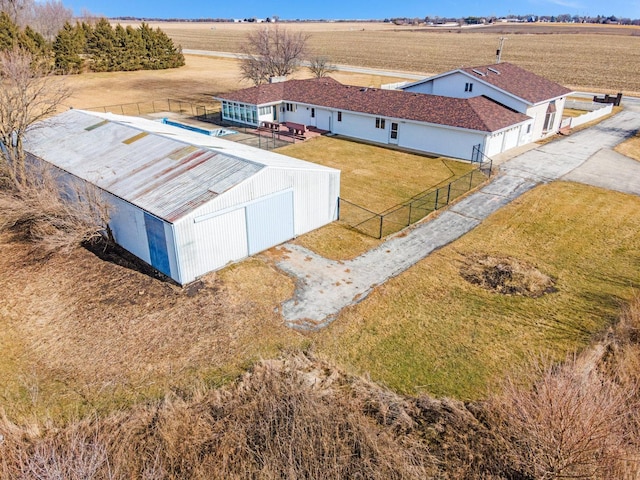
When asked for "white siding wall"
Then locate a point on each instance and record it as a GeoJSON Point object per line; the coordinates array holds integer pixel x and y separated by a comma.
{"type": "Point", "coordinates": [361, 126]}
{"type": "Point", "coordinates": [214, 241]}
{"type": "Point", "coordinates": [425, 87]}
{"type": "Point", "coordinates": [443, 141]}
{"type": "Point", "coordinates": [302, 115]}
{"type": "Point", "coordinates": [453, 85]}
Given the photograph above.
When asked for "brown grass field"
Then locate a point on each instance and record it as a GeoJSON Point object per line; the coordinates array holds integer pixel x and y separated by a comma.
{"type": "Point", "coordinates": [586, 57]}
{"type": "Point", "coordinates": [80, 335]}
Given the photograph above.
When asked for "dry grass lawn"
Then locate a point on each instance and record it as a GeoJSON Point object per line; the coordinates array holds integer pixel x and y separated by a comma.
{"type": "Point", "coordinates": [630, 147]}
{"type": "Point", "coordinates": [429, 330]}
{"type": "Point", "coordinates": [79, 334]}
{"type": "Point", "coordinates": [374, 177]}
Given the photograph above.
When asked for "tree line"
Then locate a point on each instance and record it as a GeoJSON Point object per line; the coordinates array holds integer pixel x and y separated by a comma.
{"type": "Point", "coordinates": [97, 47]}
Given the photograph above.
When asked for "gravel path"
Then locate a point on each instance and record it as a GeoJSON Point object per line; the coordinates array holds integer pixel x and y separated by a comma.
{"type": "Point", "coordinates": [324, 287]}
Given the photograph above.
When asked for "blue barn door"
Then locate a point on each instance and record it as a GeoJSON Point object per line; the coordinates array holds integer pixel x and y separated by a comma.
{"type": "Point", "coordinates": [157, 244]}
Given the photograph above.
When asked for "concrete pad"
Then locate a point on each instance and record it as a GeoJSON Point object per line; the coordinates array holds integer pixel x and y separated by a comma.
{"type": "Point", "coordinates": [609, 169]}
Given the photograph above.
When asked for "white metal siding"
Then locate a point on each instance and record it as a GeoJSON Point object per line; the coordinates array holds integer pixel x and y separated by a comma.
{"type": "Point", "coordinates": [358, 125]}
{"type": "Point", "coordinates": [128, 228]}
{"type": "Point", "coordinates": [453, 85]}
{"type": "Point", "coordinates": [270, 222]}
{"type": "Point", "coordinates": [218, 241]}
{"type": "Point", "coordinates": [443, 141]}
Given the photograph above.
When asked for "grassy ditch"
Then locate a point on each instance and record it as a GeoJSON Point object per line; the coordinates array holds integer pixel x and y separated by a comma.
{"type": "Point", "coordinates": [430, 330]}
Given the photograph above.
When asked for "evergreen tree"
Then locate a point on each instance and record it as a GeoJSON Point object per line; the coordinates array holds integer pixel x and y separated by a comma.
{"type": "Point", "coordinates": [34, 43]}
{"type": "Point", "coordinates": [135, 49]}
{"type": "Point", "coordinates": [9, 32]}
{"type": "Point", "coordinates": [101, 46]}
{"type": "Point", "coordinates": [68, 48]}
{"type": "Point", "coordinates": [160, 52]}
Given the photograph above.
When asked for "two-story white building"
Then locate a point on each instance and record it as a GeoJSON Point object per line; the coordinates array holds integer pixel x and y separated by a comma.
{"type": "Point", "coordinates": [512, 86]}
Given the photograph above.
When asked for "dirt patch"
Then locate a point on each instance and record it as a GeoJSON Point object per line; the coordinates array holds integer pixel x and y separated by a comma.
{"type": "Point", "coordinates": [506, 275]}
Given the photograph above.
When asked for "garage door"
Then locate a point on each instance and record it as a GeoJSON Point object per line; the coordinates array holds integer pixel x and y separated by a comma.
{"type": "Point", "coordinates": [220, 240]}
{"type": "Point", "coordinates": [511, 138]}
{"type": "Point", "coordinates": [270, 222]}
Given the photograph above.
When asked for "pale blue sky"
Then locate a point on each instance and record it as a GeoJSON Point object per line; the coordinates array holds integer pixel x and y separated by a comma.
{"type": "Point", "coordinates": [351, 9]}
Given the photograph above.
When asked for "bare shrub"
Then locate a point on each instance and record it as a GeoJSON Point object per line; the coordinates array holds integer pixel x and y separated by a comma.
{"type": "Point", "coordinates": [54, 214]}
{"type": "Point", "coordinates": [573, 423]}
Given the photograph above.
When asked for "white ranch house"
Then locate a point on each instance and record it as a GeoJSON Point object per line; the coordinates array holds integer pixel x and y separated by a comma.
{"type": "Point", "coordinates": [184, 202]}
{"type": "Point", "coordinates": [430, 116]}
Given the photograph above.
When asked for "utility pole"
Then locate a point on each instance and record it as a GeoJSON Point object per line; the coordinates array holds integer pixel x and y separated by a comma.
{"type": "Point", "coordinates": [499, 51]}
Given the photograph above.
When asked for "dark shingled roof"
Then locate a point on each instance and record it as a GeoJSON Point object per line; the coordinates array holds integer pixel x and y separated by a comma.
{"type": "Point", "coordinates": [478, 113]}
{"type": "Point", "coordinates": [518, 81]}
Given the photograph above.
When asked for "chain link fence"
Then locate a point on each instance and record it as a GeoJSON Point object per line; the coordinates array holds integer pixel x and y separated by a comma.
{"type": "Point", "coordinates": [379, 225]}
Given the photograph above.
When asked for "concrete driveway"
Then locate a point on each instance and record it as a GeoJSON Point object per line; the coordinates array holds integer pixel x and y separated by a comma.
{"type": "Point", "coordinates": [324, 287]}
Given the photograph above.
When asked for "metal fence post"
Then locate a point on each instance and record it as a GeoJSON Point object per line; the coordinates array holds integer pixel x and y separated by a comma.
{"type": "Point", "coordinates": [437, 194]}
{"type": "Point", "coordinates": [449, 192]}
{"type": "Point", "coordinates": [380, 234]}
{"type": "Point", "coordinates": [409, 220]}
{"type": "Point", "coordinates": [470, 179]}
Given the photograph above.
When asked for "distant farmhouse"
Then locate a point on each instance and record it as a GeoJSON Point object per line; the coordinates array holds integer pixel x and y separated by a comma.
{"type": "Point", "coordinates": [466, 113]}
{"type": "Point", "coordinates": [184, 202]}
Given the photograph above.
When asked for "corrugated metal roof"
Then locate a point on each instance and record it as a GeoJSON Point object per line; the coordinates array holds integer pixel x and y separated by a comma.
{"type": "Point", "coordinates": [162, 175]}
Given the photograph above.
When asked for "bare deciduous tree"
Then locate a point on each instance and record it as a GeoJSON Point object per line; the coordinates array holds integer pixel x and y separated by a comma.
{"type": "Point", "coordinates": [46, 18]}
{"type": "Point", "coordinates": [18, 10]}
{"type": "Point", "coordinates": [49, 18]}
{"type": "Point", "coordinates": [272, 52]}
{"type": "Point", "coordinates": [320, 66]}
{"type": "Point", "coordinates": [52, 213]}
{"type": "Point", "coordinates": [29, 94]}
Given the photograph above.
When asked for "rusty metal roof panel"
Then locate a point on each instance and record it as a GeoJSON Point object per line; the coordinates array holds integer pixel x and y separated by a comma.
{"type": "Point", "coordinates": [165, 176]}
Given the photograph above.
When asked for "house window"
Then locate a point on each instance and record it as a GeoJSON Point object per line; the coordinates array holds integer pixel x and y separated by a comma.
{"type": "Point", "coordinates": [468, 87]}
{"type": "Point", "coordinates": [550, 116]}
{"type": "Point", "coordinates": [379, 122]}
{"type": "Point", "coordinates": [529, 128]}
{"type": "Point", "coordinates": [291, 107]}
{"type": "Point", "coordinates": [313, 112]}
{"type": "Point", "coordinates": [394, 131]}
{"type": "Point", "coordinates": [339, 116]}
{"type": "Point", "coordinates": [265, 110]}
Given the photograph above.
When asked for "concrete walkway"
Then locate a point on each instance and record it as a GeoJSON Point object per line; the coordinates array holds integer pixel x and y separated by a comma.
{"type": "Point", "coordinates": [324, 287]}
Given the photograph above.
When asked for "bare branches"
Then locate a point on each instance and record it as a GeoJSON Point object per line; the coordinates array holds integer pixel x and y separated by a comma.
{"type": "Point", "coordinates": [573, 423]}
{"type": "Point", "coordinates": [53, 213]}
{"type": "Point", "coordinates": [28, 94]}
{"type": "Point", "coordinates": [46, 18]}
{"type": "Point", "coordinates": [320, 66]}
{"type": "Point", "coordinates": [272, 52]}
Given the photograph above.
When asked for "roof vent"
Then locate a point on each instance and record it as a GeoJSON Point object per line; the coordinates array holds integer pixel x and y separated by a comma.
{"type": "Point", "coordinates": [493, 70]}
{"type": "Point", "coordinates": [478, 72]}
